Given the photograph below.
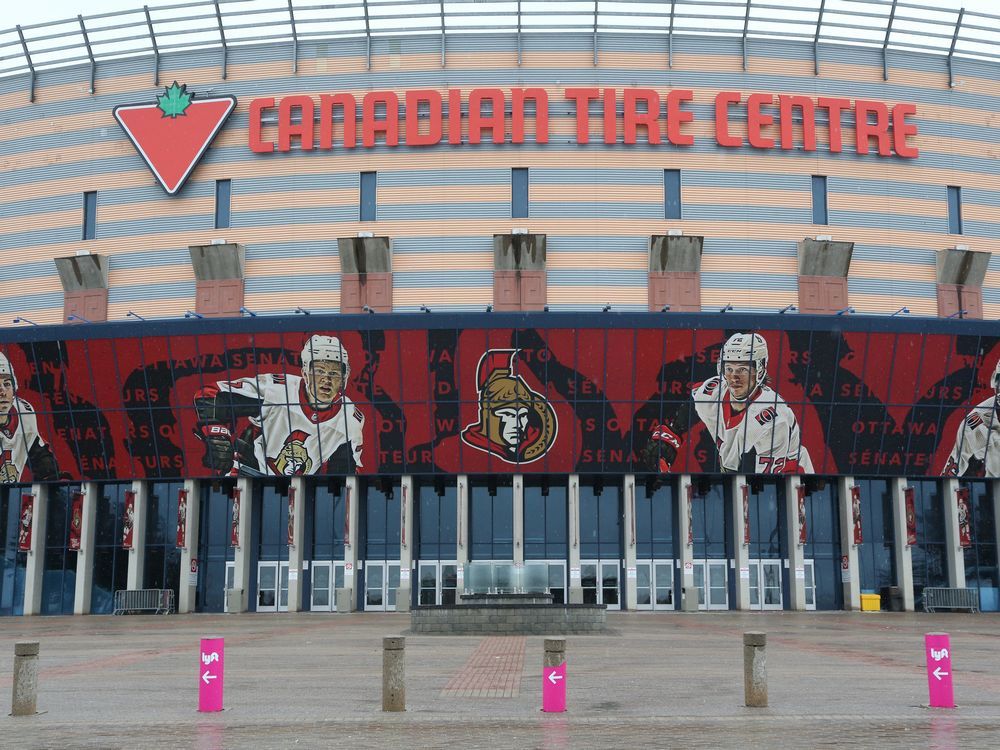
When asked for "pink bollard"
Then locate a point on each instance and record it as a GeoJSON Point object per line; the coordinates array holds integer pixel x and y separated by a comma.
{"type": "Point", "coordinates": [939, 684]}
{"type": "Point", "coordinates": [554, 676]}
{"type": "Point", "coordinates": [211, 674]}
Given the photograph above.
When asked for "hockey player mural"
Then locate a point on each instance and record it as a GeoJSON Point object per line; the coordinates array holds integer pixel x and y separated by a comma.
{"type": "Point", "coordinates": [977, 441]}
{"type": "Point", "coordinates": [753, 428]}
{"type": "Point", "coordinates": [20, 442]}
{"type": "Point", "coordinates": [295, 425]}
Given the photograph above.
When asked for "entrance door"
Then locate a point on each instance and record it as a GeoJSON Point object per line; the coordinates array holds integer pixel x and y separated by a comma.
{"type": "Point", "coordinates": [600, 582]}
{"type": "Point", "coordinates": [655, 584]}
{"type": "Point", "coordinates": [327, 577]}
{"type": "Point", "coordinates": [710, 578]}
{"type": "Point", "coordinates": [438, 583]}
{"type": "Point", "coordinates": [230, 583]}
{"type": "Point", "coordinates": [765, 584]}
{"type": "Point", "coordinates": [810, 584]}
{"type": "Point", "coordinates": [381, 583]}
{"type": "Point", "coordinates": [272, 586]}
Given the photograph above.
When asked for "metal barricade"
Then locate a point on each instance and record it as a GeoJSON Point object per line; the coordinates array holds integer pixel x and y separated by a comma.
{"type": "Point", "coordinates": [936, 598]}
{"type": "Point", "coordinates": [144, 601]}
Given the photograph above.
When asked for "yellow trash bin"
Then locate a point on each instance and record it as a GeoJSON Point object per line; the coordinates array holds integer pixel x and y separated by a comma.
{"type": "Point", "coordinates": [871, 603]}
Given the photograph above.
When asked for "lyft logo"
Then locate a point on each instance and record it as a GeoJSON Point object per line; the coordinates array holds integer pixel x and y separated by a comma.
{"type": "Point", "coordinates": [939, 654]}
{"type": "Point", "coordinates": [209, 658]}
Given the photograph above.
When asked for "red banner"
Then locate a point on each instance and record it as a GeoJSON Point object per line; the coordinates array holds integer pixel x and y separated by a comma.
{"type": "Point", "coordinates": [911, 517]}
{"type": "Point", "coordinates": [347, 515]}
{"type": "Point", "coordinates": [291, 516]}
{"type": "Point", "coordinates": [182, 518]}
{"type": "Point", "coordinates": [75, 521]}
{"type": "Point", "coordinates": [128, 520]}
{"type": "Point", "coordinates": [26, 522]}
{"type": "Point", "coordinates": [746, 513]}
{"type": "Point", "coordinates": [856, 513]}
{"type": "Point", "coordinates": [964, 525]}
{"type": "Point", "coordinates": [803, 531]}
{"type": "Point", "coordinates": [402, 519]}
{"type": "Point", "coordinates": [234, 537]}
{"type": "Point", "coordinates": [690, 512]}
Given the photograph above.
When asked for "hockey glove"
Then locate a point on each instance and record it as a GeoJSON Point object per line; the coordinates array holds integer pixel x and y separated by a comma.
{"type": "Point", "coordinates": [665, 443]}
{"type": "Point", "coordinates": [218, 442]}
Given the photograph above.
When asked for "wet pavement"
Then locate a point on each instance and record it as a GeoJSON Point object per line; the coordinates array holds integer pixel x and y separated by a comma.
{"type": "Point", "coordinates": [840, 680]}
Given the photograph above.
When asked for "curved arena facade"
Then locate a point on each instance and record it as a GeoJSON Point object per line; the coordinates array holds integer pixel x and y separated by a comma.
{"type": "Point", "coordinates": [653, 308]}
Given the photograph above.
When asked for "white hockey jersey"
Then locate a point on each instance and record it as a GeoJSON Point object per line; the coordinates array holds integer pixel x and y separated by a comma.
{"type": "Point", "coordinates": [17, 437]}
{"type": "Point", "coordinates": [978, 436]}
{"type": "Point", "coordinates": [767, 426]}
{"type": "Point", "coordinates": [292, 437]}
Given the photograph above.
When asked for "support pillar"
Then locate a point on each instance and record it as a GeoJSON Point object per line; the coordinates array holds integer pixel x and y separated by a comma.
{"type": "Point", "coordinates": [742, 550]}
{"type": "Point", "coordinates": [404, 595]}
{"type": "Point", "coordinates": [904, 560]}
{"type": "Point", "coordinates": [631, 574]}
{"type": "Point", "coordinates": [347, 596]}
{"type": "Point", "coordinates": [85, 555]}
{"type": "Point", "coordinates": [952, 540]}
{"type": "Point", "coordinates": [241, 555]}
{"type": "Point", "coordinates": [35, 569]}
{"type": "Point", "coordinates": [573, 517]}
{"type": "Point", "coordinates": [518, 514]}
{"type": "Point", "coordinates": [685, 550]}
{"type": "Point", "coordinates": [137, 555]}
{"type": "Point", "coordinates": [851, 582]}
{"type": "Point", "coordinates": [187, 599]}
{"type": "Point", "coordinates": [796, 551]}
{"type": "Point", "coordinates": [996, 512]}
{"type": "Point", "coordinates": [296, 550]}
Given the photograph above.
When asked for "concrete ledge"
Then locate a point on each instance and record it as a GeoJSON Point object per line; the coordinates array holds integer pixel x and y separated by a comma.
{"type": "Point", "coordinates": [510, 619]}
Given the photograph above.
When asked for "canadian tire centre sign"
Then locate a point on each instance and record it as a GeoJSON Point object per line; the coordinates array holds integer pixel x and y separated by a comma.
{"type": "Point", "coordinates": [172, 133]}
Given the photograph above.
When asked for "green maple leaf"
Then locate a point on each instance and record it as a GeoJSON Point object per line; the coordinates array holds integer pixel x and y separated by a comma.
{"type": "Point", "coordinates": [175, 100]}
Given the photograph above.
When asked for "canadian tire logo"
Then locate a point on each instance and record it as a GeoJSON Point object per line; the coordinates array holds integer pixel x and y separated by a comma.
{"type": "Point", "coordinates": [173, 133]}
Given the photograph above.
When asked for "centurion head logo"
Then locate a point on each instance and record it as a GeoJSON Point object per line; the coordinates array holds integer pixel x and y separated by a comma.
{"type": "Point", "coordinates": [515, 423]}
{"type": "Point", "coordinates": [173, 133]}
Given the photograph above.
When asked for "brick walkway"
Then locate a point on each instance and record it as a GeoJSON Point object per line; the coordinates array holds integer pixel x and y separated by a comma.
{"type": "Point", "coordinates": [493, 670]}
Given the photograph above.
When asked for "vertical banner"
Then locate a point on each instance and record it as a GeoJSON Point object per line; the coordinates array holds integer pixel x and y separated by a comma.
{"type": "Point", "coordinates": [234, 535]}
{"type": "Point", "coordinates": [911, 517]}
{"type": "Point", "coordinates": [964, 526]}
{"type": "Point", "coordinates": [803, 531]}
{"type": "Point", "coordinates": [745, 493]}
{"type": "Point", "coordinates": [856, 513]}
{"type": "Point", "coordinates": [690, 512]}
{"type": "Point", "coordinates": [75, 521]}
{"type": "Point", "coordinates": [402, 520]}
{"type": "Point", "coordinates": [25, 524]}
{"type": "Point", "coordinates": [291, 516]}
{"type": "Point", "coordinates": [631, 502]}
{"type": "Point", "coordinates": [182, 515]}
{"type": "Point", "coordinates": [128, 520]}
{"type": "Point", "coordinates": [347, 515]}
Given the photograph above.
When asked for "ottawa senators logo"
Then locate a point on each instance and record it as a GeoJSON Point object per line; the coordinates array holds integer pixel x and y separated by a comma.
{"type": "Point", "coordinates": [515, 423]}
{"type": "Point", "coordinates": [293, 459]}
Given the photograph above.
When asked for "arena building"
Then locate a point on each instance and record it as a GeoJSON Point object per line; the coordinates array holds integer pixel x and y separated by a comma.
{"type": "Point", "coordinates": [367, 305]}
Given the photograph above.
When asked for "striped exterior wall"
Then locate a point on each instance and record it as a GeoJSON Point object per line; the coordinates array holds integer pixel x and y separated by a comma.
{"type": "Point", "coordinates": [598, 204]}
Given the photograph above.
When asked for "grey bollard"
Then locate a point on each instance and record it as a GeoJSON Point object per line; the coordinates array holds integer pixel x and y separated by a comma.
{"type": "Point", "coordinates": [24, 697]}
{"type": "Point", "coordinates": [393, 674]}
{"type": "Point", "coordinates": [555, 652]}
{"type": "Point", "coordinates": [755, 669]}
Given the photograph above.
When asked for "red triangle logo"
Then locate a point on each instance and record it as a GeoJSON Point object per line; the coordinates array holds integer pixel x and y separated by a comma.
{"type": "Point", "coordinates": [173, 133]}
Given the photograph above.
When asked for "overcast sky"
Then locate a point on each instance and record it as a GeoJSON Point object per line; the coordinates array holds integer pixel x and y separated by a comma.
{"type": "Point", "coordinates": [54, 10]}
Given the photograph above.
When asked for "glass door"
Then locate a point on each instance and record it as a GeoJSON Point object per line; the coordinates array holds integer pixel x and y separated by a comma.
{"type": "Point", "coordinates": [321, 586]}
{"type": "Point", "coordinates": [374, 586]}
{"type": "Point", "coordinates": [810, 584]}
{"type": "Point", "coordinates": [230, 583]}
{"type": "Point", "coordinates": [654, 584]}
{"type": "Point", "coordinates": [711, 580]}
{"type": "Point", "coordinates": [600, 582]}
{"type": "Point", "coordinates": [437, 582]}
{"type": "Point", "coordinates": [765, 584]}
{"type": "Point", "coordinates": [272, 586]}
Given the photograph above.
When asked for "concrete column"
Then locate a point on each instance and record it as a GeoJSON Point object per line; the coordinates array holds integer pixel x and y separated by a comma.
{"type": "Point", "coordinates": [685, 551]}
{"type": "Point", "coordinates": [85, 555]}
{"type": "Point", "coordinates": [755, 669]}
{"type": "Point", "coordinates": [851, 583]}
{"type": "Point", "coordinates": [796, 551]}
{"type": "Point", "coordinates": [296, 550]}
{"type": "Point", "coordinates": [403, 593]}
{"type": "Point", "coordinates": [241, 556]}
{"type": "Point", "coordinates": [394, 674]}
{"type": "Point", "coordinates": [517, 485]}
{"type": "Point", "coordinates": [35, 570]}
{"type": "Point", "coordinates": [462, 529]}
{"type": "Point", "coordinates": [188, 590]}
{"type": "Point", "coordinates": [952, 541]}
{"type": "Point", "coordinates": [742, 550]}
{"type": "Point", "coordinates": [137, 555]}
{"type": "Point", "coordinates": [573, 517]}
{"type": "Point", "coordinates": [630, 543]}
{"type": "Point", "coordinates": [24, 693]}
{"type": "Point", "coordinates": [904, 560]}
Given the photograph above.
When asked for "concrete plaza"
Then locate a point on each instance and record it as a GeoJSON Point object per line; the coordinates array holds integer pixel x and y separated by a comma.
{"type": "Point", "coordinates": [657, 680]}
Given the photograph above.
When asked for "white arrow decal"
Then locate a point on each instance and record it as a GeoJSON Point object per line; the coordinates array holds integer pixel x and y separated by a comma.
{"type": "Point", "coordinates": [554, 678]}
{"type": "Point", "coordinates": [208, 676]}
{"type": "Point", "coordinates": [938, 673]}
